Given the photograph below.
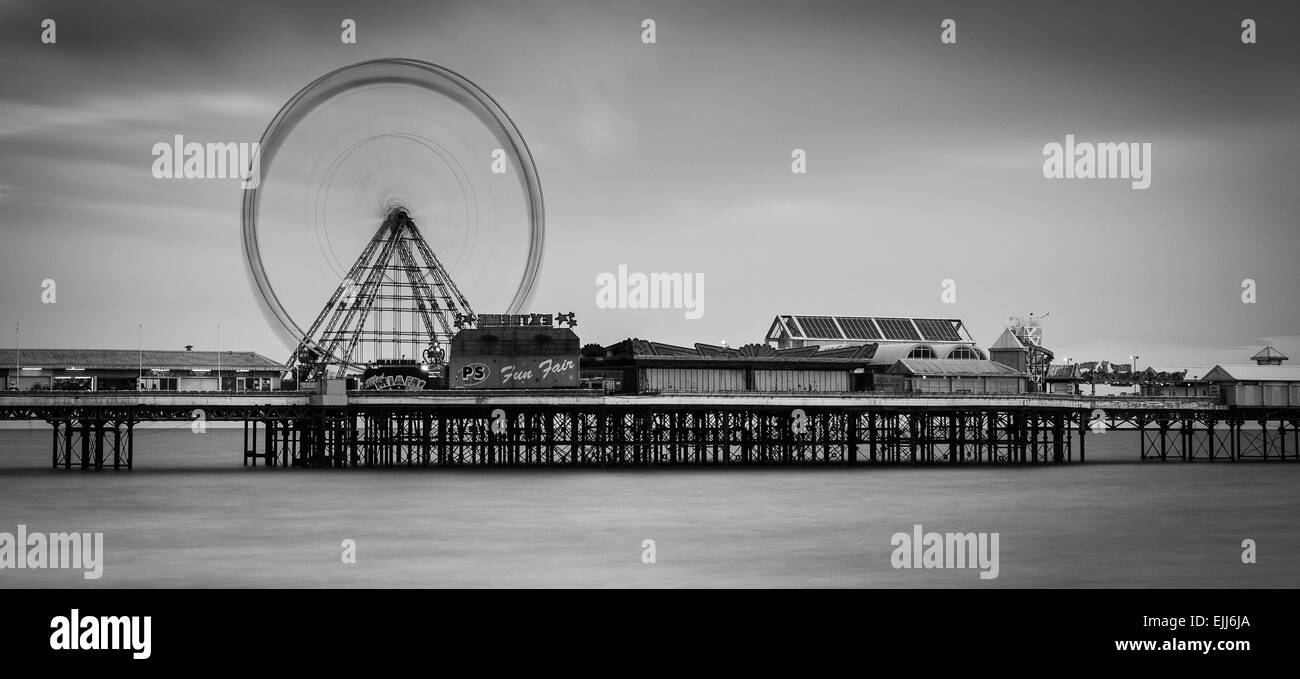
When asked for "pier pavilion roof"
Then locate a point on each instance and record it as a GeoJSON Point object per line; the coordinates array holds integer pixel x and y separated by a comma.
{"type": "Point", "coordinates": [945, 368]}
{"type": "Point", "coordinates": [1253, 373]}
{"type": "Point", "coordinates": [150, 359]}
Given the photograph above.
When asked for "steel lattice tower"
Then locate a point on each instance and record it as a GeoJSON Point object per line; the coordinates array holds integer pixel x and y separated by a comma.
{"type": "Point", "coordinates": [397, 302]}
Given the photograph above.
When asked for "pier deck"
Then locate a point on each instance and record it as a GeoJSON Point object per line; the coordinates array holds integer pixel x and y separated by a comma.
{"type": "Point", "coordinates": [93, 430]}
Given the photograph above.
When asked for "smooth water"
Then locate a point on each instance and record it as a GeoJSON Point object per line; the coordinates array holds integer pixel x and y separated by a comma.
{"type": "Point", "coordinates": [190, 515]}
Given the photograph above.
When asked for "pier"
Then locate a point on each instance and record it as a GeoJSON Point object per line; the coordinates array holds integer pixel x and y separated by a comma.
{"type": "Point", "coordinates": [580, 428]}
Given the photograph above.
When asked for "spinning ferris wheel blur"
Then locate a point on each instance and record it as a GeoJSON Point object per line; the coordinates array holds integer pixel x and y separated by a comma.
{"type": "Point", "coordinates": [405, 190]}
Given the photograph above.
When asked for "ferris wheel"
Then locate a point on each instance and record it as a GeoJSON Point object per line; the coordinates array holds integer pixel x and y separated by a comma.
{"type": "Point", "coordinates": [391, 194]}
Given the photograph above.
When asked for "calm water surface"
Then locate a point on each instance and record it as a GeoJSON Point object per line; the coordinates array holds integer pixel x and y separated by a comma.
{"type": "Point", "coordinates": [190, 515]}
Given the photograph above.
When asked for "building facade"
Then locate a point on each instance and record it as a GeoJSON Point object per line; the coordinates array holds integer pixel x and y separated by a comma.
{"type": "Point", "coordinates": [642, 366]}
{"type": "Point", "coordinates": [935, 376]}
{"type": "Point", "coordinates": [1257, 385]}
{"type": "Point", "coordinates": [514, 357]}
{"type": "Point", "coordinates": [133, 369]}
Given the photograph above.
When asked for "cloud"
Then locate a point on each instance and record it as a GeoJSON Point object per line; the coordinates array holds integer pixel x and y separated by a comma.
{"type": "Point", "coordinates": [94, 113]}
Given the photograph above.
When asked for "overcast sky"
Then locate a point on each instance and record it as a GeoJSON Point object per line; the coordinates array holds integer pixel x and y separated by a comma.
{"type": "Point", "coordinates": [924, 162]}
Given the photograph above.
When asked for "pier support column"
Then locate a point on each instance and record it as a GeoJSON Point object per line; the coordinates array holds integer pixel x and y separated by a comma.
{"type": "Point", "coordinates": [1209, 433]}
{"type": "Point", "coordinates": [1164, 440]}
{"type": "Point", "coordinates": [130, 442]}
{"type": "Point", "coordinates": [1058, 437]}
{"type": "Point", "coordinates": [1186, 432]}
{"type": "Point", "coordinates": [1083, 435]}
{"type": "Point", "coordinates": [851, 448]}
{"type": "Point", "coordinates": [1281, 437]}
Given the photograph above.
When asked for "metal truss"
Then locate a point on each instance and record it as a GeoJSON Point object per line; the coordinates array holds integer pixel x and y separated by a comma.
{"type": "Point", "coordinates": [629, 436]}
{"type": "Point", "coordinates": [396, 300]}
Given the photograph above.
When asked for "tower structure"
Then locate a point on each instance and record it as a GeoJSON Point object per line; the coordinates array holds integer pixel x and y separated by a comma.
{"type": "Point", "coordinates": [1021, 346]}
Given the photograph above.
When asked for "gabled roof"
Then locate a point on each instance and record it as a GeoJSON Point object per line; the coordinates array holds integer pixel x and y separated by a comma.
{"type": "Point", "coordinates": [150, 359]}
{"type": "Point", "coordinates": [1253, 373]}
{"type": "Point", "coordinates": [945, 368]}
{"type": "Point", "coordinates": [1268, 353]}
{"type": "Point", "coordinates": [1007, 340]}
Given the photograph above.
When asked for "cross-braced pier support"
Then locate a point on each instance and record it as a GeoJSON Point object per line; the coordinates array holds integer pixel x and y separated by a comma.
{"type": "Point", "coordinates": [1211, 438]}
{"type": "Point", "coordinates": [92, 442]}
{"type": "Point", "coordinates": [629, 436]}
{"type": "Point", "coordinates": [558, 430]}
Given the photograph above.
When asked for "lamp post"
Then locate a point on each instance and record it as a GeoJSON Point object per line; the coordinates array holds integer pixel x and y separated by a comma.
{"type": "Point", "coordinates": [18, 357]}
{"type": "Point", "coordinates": [218, 357]}
{"type": "Point", "coordinates": [139, 336]}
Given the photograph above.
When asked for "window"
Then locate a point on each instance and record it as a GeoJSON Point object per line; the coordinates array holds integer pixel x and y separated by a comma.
{"type": "Point", "coordinates": [964, 353]}
{"type": "Point", "coordinates": [253, 384]}
{"type": "Point", "coordinates": [922, 351]}
{"type": "Point", "coordinates": [157, 384]}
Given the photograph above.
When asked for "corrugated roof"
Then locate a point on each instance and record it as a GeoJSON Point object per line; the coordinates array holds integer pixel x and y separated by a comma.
{"type": "Point", "coordinates": [642, 348]}
{"type": "Point", "coordinates": [132, 358]}
{"type": "Point", "coordinates": [1253, 373]}
{"type": "Point", "coordinates": [948, 368]}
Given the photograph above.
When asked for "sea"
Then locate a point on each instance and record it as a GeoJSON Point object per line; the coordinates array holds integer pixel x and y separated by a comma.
{"type": "Point", "coordinates": [191, 515]}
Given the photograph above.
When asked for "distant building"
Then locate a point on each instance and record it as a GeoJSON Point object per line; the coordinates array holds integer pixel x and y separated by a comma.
{"type": "Point", "coordinates": [1062, 379]}
{"type": "Point", "coordinates": [1010, 351]}
{"type": "Point", "coordinates": [1017, 353]}
{"type": "Point", "coordinates": [131, 369]}
{"type": "Point", "coordinates": [1186, 388]}
{"type": "Point", "coordinates": [1266, 383]}
{"type": "Point", "coordinates": [1153, 382]}
{"type": "Point", "coordinates": [1257, 385]}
